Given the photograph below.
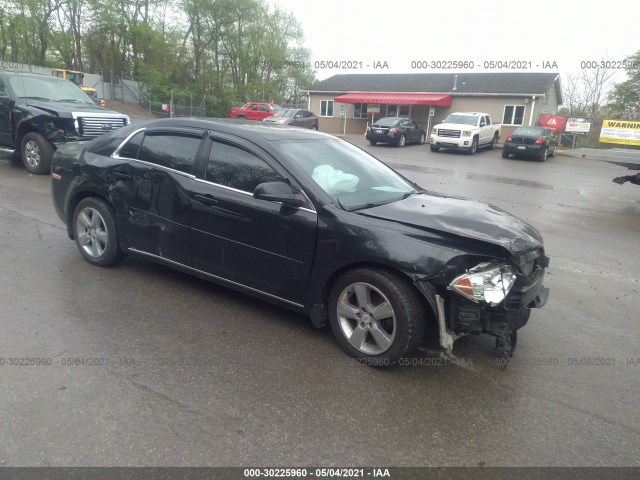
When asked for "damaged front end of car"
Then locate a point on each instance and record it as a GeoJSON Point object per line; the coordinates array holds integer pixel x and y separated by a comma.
{"type": "Point", "coordinates": [487, 296]}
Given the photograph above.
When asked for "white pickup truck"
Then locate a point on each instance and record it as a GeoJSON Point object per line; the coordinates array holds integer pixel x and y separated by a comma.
{"type": "Point", "coordinates": [465, 131]}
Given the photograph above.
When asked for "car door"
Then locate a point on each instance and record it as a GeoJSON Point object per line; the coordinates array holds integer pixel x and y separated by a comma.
{"type": "Point", "coordinates": [6, 104]}
{"type": "Point", "coordinates": [152, 191]}
{"type": "Point", "coordinates": [409, 130]}
{"type": "Point", "coordinates": [262, 245]}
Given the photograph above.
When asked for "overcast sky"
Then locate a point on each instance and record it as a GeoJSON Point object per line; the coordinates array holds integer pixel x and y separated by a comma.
{"type": "Point", "coordinates": [402, 31]}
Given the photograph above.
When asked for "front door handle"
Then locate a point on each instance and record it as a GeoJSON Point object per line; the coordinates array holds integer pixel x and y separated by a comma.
{"type": "Point", "coordinates": [118, 174]}
{"type": "Point", "coordinates": [208, 200]}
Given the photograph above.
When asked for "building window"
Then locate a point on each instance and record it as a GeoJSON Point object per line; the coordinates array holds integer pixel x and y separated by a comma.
{"type": "Point", "coordinates": [326, 108]}
{"type": "Point", "coordinates": [513, 115]}
{"type": "Point", "coordinates": [359, 110]}
{"type": "Point", "coordinates": [405, 111]}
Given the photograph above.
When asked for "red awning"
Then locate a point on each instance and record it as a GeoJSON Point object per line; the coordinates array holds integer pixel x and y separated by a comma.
{"type": "Point", "coordinates": [442, 100]}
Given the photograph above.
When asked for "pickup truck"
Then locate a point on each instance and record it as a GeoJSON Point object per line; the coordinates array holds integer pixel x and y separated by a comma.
{"type": "Point", "coordinates": [465, 131]}
{"type": "Point", "coordinates": [39, 112]}
{"type": "Point", "coordinates": [255, 111]}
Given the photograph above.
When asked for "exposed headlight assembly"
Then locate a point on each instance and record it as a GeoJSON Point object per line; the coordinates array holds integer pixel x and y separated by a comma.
{"type": "Point", "coordinates": [486, 282]}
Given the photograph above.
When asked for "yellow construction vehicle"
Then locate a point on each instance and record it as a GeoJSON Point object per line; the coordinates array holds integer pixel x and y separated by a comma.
{"type": "Point", "coordinates": [78, 78]}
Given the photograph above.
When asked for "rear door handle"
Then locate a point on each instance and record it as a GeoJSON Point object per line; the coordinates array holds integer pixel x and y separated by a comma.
{"type": "Point", "coordinates": [206, 199]}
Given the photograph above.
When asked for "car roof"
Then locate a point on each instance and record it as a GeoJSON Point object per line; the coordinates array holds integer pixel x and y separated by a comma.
{"type": "Point", "coordinates": [245, 128]}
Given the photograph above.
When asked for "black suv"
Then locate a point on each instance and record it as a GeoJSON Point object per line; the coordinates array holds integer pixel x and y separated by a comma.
{"type": "Point", "coordinates": [39, 112]}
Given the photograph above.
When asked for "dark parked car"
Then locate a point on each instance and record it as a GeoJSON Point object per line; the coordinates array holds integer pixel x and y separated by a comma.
{"type": "Point", "coordinates": [307, 221]}
{"type": "Point", "coordinates": [538, 142]}
{"type": "Point", "coordinates": [294, 117]}
{"type": "Point", "coordinates": [396, 130]}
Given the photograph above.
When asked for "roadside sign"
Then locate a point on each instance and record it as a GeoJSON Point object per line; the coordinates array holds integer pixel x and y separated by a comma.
{"type": "Point", "coordinates": [432, 111]}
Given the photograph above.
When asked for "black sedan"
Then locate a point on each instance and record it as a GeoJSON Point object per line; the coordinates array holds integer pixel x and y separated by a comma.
{"type": "Point", "coordinates": [537, 142]}
{"type": "Point", "coordinates": [396, 130]}
{"type": "Point", "coordinates": [307, 221]}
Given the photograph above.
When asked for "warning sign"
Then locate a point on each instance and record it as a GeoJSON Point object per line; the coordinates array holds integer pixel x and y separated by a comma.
{"type": "Point", "coordinates": [622, 132]}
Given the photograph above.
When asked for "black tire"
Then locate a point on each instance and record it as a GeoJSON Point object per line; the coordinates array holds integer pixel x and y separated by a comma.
{"type": "Point", "coordinates": [505, 154]}
{"type": "Point", "coordinates": [423, 137]}
{"type": "Point", "coordinates": [543, 156]}
{"type": "Point", "coordinates": [241, 117]}
{"type": "Point", "coordinates": [373, 142]}
{"type": "Point", "coordinates": [494, 142]}
{"type": "Point", "coordinates": [553, 152]}
{"type": "Point", "coordinates": [381, 341]}
{"type": "Point", "coordinates": [36, 153]}
{"type": "Point", "coordinates": [402, 141]}
{"type": "Point", "coordinates": [96, 232]}
{"type": "Point", "coordinates": [474, 146]}
{"type": "Point", "coordinates": [434, 149]}
{"type": "Point", "coordinates": [314, 127]}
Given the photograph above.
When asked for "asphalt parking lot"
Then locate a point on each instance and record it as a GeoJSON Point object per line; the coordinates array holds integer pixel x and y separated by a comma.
{"type": "Point", "coordinates": [143, 366]}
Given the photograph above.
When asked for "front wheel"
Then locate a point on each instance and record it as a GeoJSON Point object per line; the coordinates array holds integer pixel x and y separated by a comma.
{"type": "Point", "coordinates": [373, 142]}
{"type": "Point", "coordinates": [95, 232]}
{"type": "Point", "coordinates": [474, 147]}
{"type": "Point", "coordinates": [434, 149]}
{"type": "Point", "coordinates": [36, 153]}
{"type": "Point", "coordinates": [402, 141]}
{"type": "Point", "coordinates": [375, 316]}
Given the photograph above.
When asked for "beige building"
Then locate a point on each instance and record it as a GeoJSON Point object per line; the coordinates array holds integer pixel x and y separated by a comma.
{"type": "Point", "coordinates": [348, 103]}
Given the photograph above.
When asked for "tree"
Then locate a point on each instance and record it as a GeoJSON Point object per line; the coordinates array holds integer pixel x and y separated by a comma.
{"type": "Point", "coordinates": [625, 97]}
{"type": "Point", "coordinates": [585, 94]}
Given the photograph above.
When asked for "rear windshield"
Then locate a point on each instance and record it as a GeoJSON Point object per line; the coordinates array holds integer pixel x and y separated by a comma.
{"type": "Point", "coordinates": [387, 122]}
{"type": "Point", "coordinates": [533, 131]}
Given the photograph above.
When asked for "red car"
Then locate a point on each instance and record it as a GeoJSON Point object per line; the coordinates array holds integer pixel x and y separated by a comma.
{"type": "Point", "coordinates": [255, 110]}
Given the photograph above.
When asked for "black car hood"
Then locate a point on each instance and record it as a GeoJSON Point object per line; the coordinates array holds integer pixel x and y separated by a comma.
{"type": "Point", "coordinates": [462, 217]}
{"type": "Point", "coordinates": [63, 109]}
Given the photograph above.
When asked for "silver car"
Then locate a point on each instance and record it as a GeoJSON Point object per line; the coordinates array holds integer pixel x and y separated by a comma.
{"type": "Point", "coordinates": [295, 117]}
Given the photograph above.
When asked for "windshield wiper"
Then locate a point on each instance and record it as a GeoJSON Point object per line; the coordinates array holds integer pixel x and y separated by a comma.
{"type": "Point", "coordinates": [74, 100]}
{"type": "Point", "coordinates": [36, 98]}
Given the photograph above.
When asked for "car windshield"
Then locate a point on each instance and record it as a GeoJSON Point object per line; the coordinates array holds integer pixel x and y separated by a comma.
{"type": "Point", "coordinates": [48, 89]}
{"type": "Point", "coordinates": [462, 119]}
{"type": "Point", "coordinates": [275, 107]}
{"type": "Point", "coordinates": [352, 177]}
{"type": "Point", "coordinates": [387, 122]}
{"type": "Point", "coordinates": [532, 131]}
{"type": "Point", "coordinates": [287, 112]}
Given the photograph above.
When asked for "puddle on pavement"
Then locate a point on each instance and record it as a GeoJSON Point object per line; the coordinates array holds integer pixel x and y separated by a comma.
{"type": "Point", "coordinates": [474, 176]}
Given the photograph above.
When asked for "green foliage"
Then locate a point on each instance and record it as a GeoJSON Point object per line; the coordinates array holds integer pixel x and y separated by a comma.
{"type": "Point", "coordinates": [228, 50]}
{"type": "Point", "coordinates": [625, 97]}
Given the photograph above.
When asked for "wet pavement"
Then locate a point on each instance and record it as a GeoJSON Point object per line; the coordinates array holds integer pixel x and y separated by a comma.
{"type": "Point", "coordinates": [139, 365]}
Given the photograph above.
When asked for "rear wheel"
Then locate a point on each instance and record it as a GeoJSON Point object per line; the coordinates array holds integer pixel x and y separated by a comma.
{"type": "Point", "coordinates": [553, 152]}
{"type": "Point", "coordinates": [402, 141]}
{"type": "Point", "coordinates": [423, 137]}
{"type": "Point", "coordinates": [494, 142]}
{"type": "Point", "coordinates": [36, 153]}
{"type": "Point", "coordinates": [505, 154]}
{"type": "Point", "coordinates": [241, 117]}
{"type": "Point", "coordinates": [375, 316]}
{"type": "Point", "coordinates": [95, 232]}
{"type": "Point", "coordinates": [314, 127]}
{"type": "Point", "coordinates": [543, 156]}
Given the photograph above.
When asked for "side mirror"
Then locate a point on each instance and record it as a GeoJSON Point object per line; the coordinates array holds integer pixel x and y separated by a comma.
{"type": "Point", "coordinates": [278, 192]}
{"type": "Point", "coordinates": [297, 116]}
